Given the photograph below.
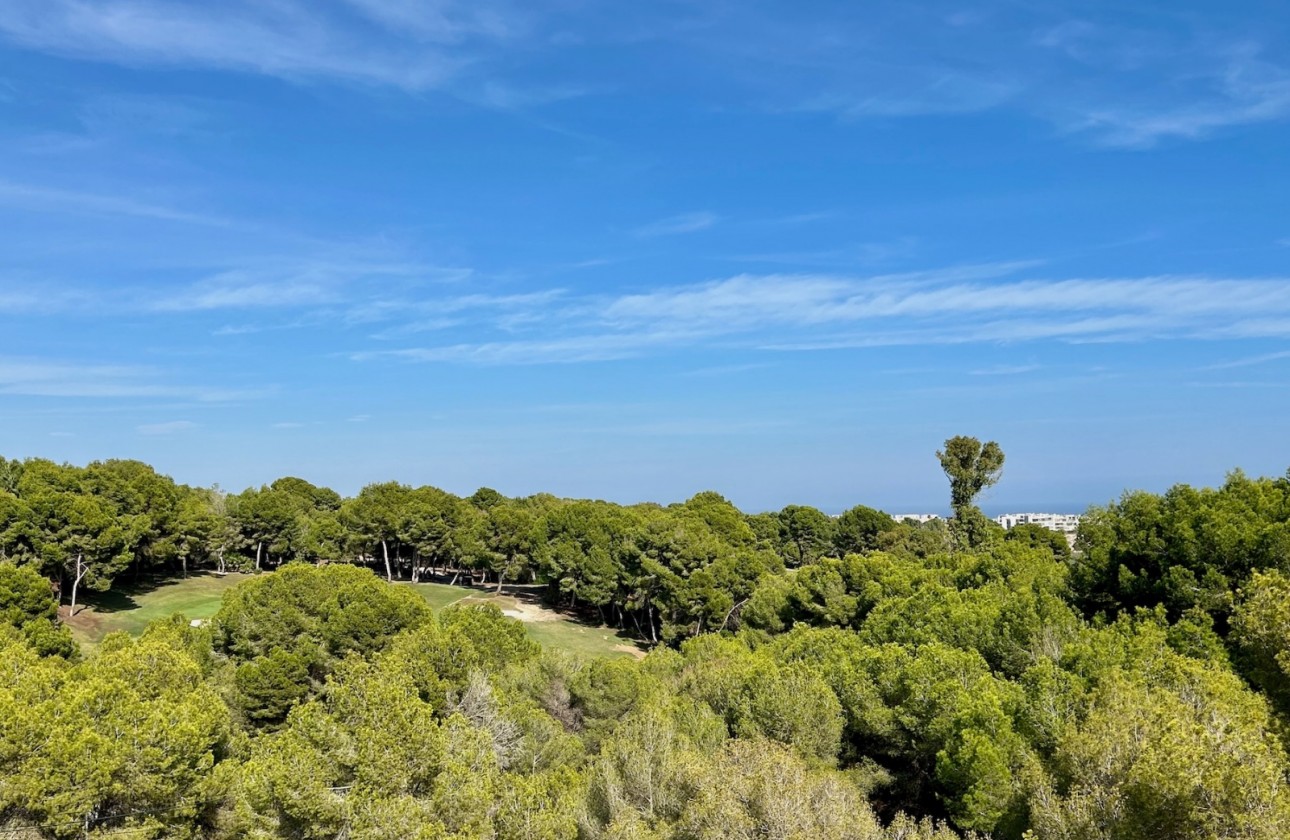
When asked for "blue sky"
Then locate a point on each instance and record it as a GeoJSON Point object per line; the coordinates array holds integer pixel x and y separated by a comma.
{"type": "Point", "coordinates": [632, 251]}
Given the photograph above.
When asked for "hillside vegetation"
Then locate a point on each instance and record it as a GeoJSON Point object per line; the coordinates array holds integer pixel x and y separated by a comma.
{"type": "Point", "coordinates": [812, 678]}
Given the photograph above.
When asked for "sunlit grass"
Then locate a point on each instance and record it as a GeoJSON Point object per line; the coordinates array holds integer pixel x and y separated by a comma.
{"type": "Point", "coordinates": [200, 595]}
{"type": "Point", "coordinates": [197, 596]}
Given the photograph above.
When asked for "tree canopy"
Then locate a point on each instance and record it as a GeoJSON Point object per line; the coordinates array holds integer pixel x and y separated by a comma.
{"type": "Point", "coordinates": [809, 676]}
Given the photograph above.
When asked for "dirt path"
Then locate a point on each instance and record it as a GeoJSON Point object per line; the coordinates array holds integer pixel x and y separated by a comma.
{"type": "Point", "coordinates": [532, 613]}
{"type": "Point", "coordinates": [514, 608]}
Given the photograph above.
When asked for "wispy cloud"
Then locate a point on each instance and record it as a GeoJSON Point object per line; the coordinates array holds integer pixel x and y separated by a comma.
{"type": "Point", "coordinates": [274, 293]}
{"type": "Point", "coordinates": [442, 21]}
{"type": "Point", "coordinates": [963, 304]}
{"type": "Point", "coordinates": [1243, 90]}
{"type": "Point", "coordinates": [249, 296]}
{"type": "Point", "coordinates": [36, 377]}
{"type": "Point", "coordinates": [236, 329]}
{"type": "Point", "coordinates": [673, 225]}
{"type": "Point", "coordinates": [585, 348]}
{"type": "Point", "coordinates": [1093, 76]}
{"type": "Point", "coordinates": [168, 428]}
{"type": "Point", "coordinates": [927, 90]}
{"type": "Point", "coordinates": [289, 283]}
{"type": "Point", "coordinates": [513, 97]}
{"type": "Point", "coordinates": [1251, 360]}
{"type": "Point", "coordinates": [288, 425]}
{"type": "Point", "coordinates": [30, 300]}
{"type": "Point", "coordinates": [1004, 370]}
{"type": "Point", "coordinates": [47, 378]}
{"type": "Point", "coordinates": [241, 290]}
{"type": "Point", "coordinates": [748, 301]}
{"type": "Point", "coordinates": [1097, 77]}
{"type": "Point", "coordinates": [50, 199]}
{"type": "Point", "coordinates": [421, 44]}
{"type": "Point", "coordinates": [437, 314]}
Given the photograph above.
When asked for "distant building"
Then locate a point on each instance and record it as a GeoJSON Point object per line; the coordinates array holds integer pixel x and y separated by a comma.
{"type": "Point", "coordinates": [1066, 523]}
{"type": "Point", "coordinates": [917, 517]}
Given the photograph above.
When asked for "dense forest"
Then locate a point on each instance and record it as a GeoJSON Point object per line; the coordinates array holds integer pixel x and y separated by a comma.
{"type": "Point", "coordinates": [809, 676]}
{"type": "Point", "coordinates": [665, 573]}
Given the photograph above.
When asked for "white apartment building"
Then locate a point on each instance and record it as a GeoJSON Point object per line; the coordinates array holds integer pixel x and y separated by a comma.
{"type": "Point", "coordinates": [1066, 523]}
{"type": "Point", "coordinates": [920, 518]}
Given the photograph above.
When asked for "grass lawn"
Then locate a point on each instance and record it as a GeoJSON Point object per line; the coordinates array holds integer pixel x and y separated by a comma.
{"type": "Point", "coordinates": [196, 596]}
{"type": "Point", "coordinates": [547, 628]}
{"type": "Point", "coordinates": [440, 595]}
{"type": "Point", "coordinates": [199, 596]}
{"type": "Point", "coordinates": [556, 630]}
{"type": "Point", "coordinates": [581, 639]}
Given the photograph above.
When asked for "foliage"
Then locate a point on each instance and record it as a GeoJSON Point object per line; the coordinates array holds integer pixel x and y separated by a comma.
{"type": "Point", "coordinates": [971, 466]}
{"type": "Point", "coordinates": [326, 611]}
{"type": "Point", "coordinates": [852, 678]}
{"type": "Point", "coordinates": [128, 738]}
{"type": "Point", "coordinates": [859, 530]}
{"type": "Point", "coordinates": [27, 604]}
{"type": "Point", "coordinates": [1261, 632]}
{"type": "Point", "coordinates": [1187, 548]}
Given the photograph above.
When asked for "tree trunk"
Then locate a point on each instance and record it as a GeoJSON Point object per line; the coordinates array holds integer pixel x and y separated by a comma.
{"type": "Point", "coordinates": [732, 612]}
{"type": "Point", "coordinates": [501, 576]}
{"type": "Point", "coordinates": [385, 550]}
{"type": "Point", "coordinates": [81, 568]}
{"type": "Point", "coordinates": [259, 547]}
